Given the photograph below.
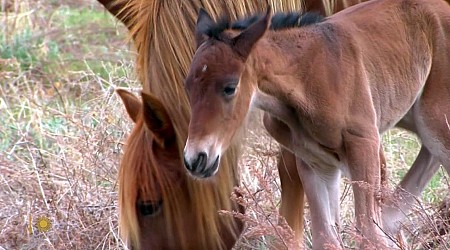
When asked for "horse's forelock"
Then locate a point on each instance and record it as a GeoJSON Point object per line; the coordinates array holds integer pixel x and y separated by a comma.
{"type": "Point", "coordinates": [143, 178]}
{"type": "Point", "coordinates": [133, 177]}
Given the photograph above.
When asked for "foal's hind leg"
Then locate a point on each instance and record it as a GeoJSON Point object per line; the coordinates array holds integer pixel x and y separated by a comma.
{"type": "Point", "coordinates": [397, 207]}
{"type": "Point", "coordinates": [292, 195]}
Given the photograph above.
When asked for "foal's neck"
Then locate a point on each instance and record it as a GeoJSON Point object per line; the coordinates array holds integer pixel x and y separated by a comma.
{"type": "Point", "coordinates": [275, 62]}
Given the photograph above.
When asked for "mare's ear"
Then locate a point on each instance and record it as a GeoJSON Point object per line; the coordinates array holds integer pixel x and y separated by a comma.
{"type": "Point", "coordinates": [131, 102]}
{"type": "Point", "coordinates": [244, 42]}
{"type": "Point", "coordinates": [204, 21]}
{"type": "Point", "coordinates": [157, 119]}
{"type": "Point", "coordinates": [117, 9]}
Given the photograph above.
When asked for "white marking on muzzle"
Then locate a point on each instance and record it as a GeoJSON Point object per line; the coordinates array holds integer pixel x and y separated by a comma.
{"type": "Point", "coordinates": [209, 145]}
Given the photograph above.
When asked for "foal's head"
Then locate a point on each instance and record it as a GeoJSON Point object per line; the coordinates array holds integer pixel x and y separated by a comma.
{"type": "Point", "coordinates": [220, 86]}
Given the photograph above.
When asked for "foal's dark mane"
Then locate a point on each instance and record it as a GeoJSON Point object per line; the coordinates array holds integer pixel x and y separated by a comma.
{"type": "Point", "coordinates": [280, 20]}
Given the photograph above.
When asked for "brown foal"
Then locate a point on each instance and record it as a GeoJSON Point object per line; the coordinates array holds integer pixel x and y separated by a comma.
{"type": "Point", "coordinates": [329, 90]}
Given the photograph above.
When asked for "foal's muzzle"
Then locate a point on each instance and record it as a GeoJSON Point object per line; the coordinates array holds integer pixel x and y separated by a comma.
{"type": "Point", "coordinates": [198, 166]}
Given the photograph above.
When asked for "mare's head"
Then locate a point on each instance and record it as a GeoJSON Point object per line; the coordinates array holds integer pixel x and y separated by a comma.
{"type": "Point", "coordinates": [220, 86]}
{"type": "Point", "coordinates": [150, 172]}
{"type": "Point", "coordinates": [160, 207]}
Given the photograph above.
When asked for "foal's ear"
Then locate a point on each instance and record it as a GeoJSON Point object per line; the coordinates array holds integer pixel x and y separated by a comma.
{"type": "Point", "coordinates": [204, 21]}
{"type": "Point", "coordinates": [131, 102]}
{"type": "Point", "coordinates": [157, 119]}
{"type": "Point", "coordinates": [244, 42]}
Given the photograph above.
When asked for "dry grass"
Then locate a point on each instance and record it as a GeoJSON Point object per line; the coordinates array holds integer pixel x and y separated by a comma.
{"type": "Point", "coordinates": [62, 128]}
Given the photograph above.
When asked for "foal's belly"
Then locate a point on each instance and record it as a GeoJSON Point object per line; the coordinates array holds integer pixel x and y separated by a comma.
{"type": "Point", "coordinates": [392, 108]}
{"type": "Point", "coordinates": [316, 155]}
{"type": "Point", "coordinates": [320, 158]}
{"type": "Point", "coordinates": [399, 86]}
{"type": "Point", "coordinates": [303, 146]}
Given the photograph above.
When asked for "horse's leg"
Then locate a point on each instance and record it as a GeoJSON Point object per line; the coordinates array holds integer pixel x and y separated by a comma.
{"type": "Point", "coordinates": [397, 207]}
{"type": "Point", "coordinates": [320, 195]}
{"type": "Point", "coordinates": [333, 188]}
{"type": "Point", "coordinates": [292, 195]}
{"type": "Point", "coordinates": [383, 170]}
{"type": "Point", "coordinates": [318, 189]}
{"type": "Point", "coordinates": [363, 157]}
{"type": "Point", "coordinates": [432, 111]}
{"type": "Point", "coordinates": [316, 6]}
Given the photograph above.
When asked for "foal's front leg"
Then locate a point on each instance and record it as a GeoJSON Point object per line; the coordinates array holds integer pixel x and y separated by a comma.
{"type": "Point", "coordinates": [319, 187]}
{"type": "Point", "coordinates": [363, 158]}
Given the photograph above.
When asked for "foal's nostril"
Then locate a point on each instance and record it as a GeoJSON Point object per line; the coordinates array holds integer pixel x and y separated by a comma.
{"type": "Point", "coordinates": [186, 164]}
{"type": "Point", "coordinates": [200, 163]}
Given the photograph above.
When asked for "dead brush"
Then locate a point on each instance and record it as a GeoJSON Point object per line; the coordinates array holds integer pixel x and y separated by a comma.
{"type": "Point", "coordinates": [260, 190]}
{"type": "Point", "coordinates": [60, 162]}
{"type": "Point", "coordinates": [60, 140]}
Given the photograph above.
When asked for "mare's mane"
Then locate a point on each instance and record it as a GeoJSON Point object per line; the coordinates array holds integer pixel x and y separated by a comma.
{"type": "Point", "coordinates": [279, 21]}
{"type": "Point", "coordinates": [163, 59]}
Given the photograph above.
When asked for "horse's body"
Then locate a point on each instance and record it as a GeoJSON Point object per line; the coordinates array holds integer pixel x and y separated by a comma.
{"type": "Point", "coordinates": [328, 7]}
{"type": "Point", "coordinates": [329, 90]}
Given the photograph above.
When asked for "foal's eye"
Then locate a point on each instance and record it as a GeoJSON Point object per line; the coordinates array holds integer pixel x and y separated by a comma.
{"type": "Point", "coordinates": [229, 90]}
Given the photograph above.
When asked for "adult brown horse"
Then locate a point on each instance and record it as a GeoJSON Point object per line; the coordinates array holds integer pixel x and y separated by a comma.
{"type": "Point", "coordinates": [329, 90]}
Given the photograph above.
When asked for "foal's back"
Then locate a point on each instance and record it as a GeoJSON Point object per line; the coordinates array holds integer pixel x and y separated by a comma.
{"type": "Point", "coordinates": [388, 46]}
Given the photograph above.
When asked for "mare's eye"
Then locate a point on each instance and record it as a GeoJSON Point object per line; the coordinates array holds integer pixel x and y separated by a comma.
{"type": "Point", "coordinates": [229, 90]}
{"type": "Point", "coordinates": [148, 208]}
